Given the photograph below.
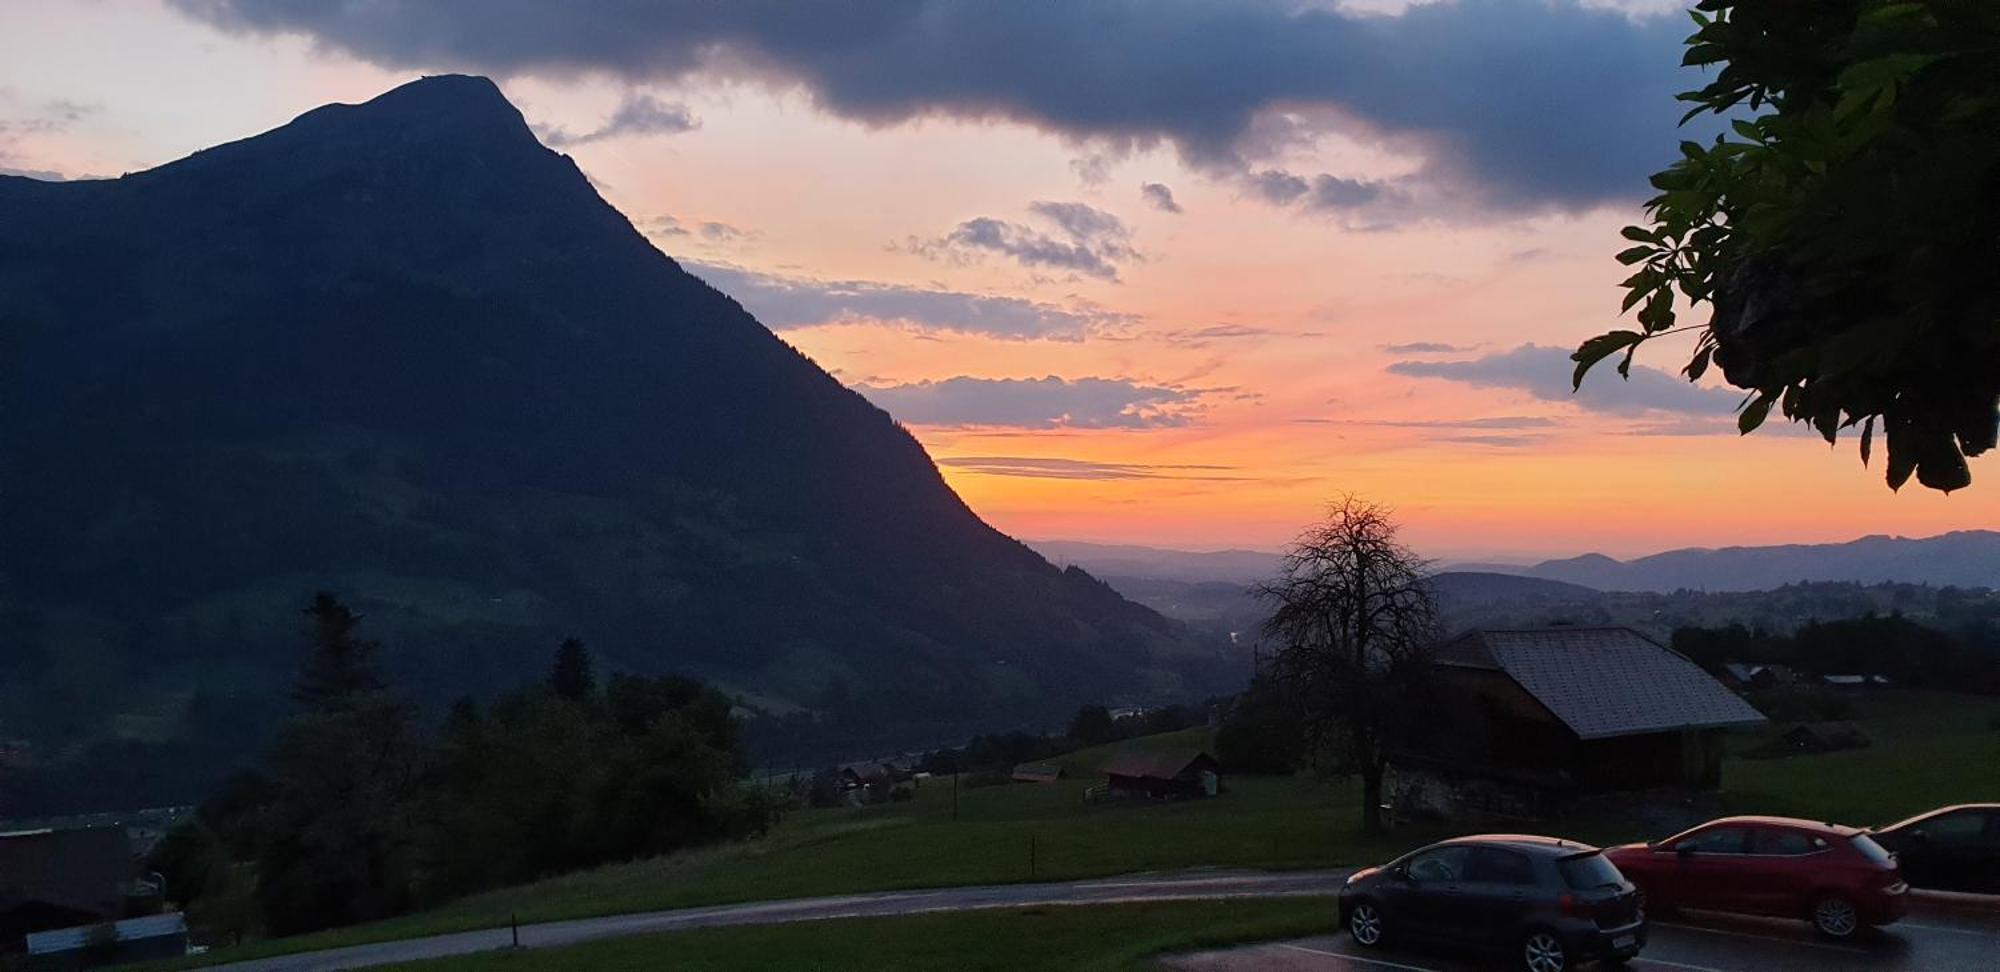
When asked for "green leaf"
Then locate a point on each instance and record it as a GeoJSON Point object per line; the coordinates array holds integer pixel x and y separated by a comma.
{"type": "Point", "coordinates": [1597, 349]}
{"type": "Point", "coordinates": [1639, 234]}
{"type": "Point", "coordinates": [1699, 365]}
{"type": "Point", "coordinates": [1636, 254]}
{"type": "Point", "coordinates": [1753, 413]}
{"type": "Point", "coordinates": [1867, 439]}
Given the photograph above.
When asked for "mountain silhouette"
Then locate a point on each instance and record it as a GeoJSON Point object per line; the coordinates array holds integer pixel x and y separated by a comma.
{"type": "Point", "coordinates": [403, 351]}
{"type": "Point", "coordinates": [1963, 558]}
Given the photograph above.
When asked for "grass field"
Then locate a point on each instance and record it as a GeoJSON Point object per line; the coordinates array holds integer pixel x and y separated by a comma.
{"type": "Point", "coordinates": [1097, 938]}
{"type": "Point", "coordinates": [1930, 749]}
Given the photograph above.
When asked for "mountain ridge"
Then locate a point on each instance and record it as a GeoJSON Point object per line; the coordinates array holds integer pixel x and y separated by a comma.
{"type": "Point", "coordinates": [402, 350]}
{"type": "Point", "coordinates": [1964, 558]}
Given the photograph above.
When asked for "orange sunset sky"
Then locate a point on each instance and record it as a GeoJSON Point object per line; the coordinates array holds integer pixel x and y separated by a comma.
{"type": "Point", "coordinates": [1084, 361]}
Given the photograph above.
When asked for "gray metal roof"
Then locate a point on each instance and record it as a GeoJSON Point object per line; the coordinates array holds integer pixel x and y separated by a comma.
{"type": "Point", "coordinates": [1604, 682]}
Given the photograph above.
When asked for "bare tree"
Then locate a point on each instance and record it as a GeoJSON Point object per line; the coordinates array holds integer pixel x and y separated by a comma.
{"type": "Point", "coordinates": [1354, 618]}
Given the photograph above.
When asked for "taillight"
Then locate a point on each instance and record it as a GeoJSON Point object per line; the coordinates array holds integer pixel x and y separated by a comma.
{"type": "Point", "coordinates": [1571, 907]}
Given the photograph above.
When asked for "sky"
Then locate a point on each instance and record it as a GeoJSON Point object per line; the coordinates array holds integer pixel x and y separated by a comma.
{"type": "Point", "coordinates": [1166, 272]}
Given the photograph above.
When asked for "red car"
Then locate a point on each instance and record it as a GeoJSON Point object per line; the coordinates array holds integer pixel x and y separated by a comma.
{"type": "Point", "coordinates": [1835, 877]}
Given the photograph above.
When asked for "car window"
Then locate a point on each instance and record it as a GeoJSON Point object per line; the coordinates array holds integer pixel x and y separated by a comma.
{"type": "Point", "coordinates": [1786, 843]}
{"type": "Point", "coordinates": [1589, 871]}
{"type": "Point", "coordinates": [1716, 840]}
{"type": "Point", "coordinates": [1872, 850]}
{"type": "Point", "coordinates": [1495, 865]}
{"type": "Point", "coordinates": [1954, 829]}
{"type": "Point", "coordinates": [1439, 864]}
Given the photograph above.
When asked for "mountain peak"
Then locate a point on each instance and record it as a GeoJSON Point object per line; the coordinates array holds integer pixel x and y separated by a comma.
{"type": "Point", "coordinates": [442, 106]}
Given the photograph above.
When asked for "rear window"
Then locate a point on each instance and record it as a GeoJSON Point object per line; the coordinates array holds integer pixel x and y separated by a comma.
{"type": "Point", "coordinates": [1872, 850]}
{"type": "Point", "coordinates": [1588, 871]}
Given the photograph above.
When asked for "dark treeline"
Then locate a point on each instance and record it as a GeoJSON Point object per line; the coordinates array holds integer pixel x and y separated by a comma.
{"type": "Point", "coordinates": [1093, 725]}
{"type": "Point", "coordinates": [1959, 651]}
{"type": "Point", "coordinates": [360, 814]}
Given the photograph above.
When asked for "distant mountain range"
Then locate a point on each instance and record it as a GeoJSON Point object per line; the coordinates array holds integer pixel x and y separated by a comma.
{"type": "Point", "coordinates": [402, 351]}
{"type": "Point", "coordinates": [1966, 558]}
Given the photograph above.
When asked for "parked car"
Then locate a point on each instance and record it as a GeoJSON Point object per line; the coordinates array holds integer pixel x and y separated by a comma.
{"type": "Point", "coordinates": [1551, 904]}
{"type": "Point", "coordinates": [1951, 849]}
{"type": "Point", "coordinates": [1837, 878]}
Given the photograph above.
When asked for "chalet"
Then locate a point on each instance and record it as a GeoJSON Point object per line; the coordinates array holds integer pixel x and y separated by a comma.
{"type": "Point", "coordinates": [52, 878]}
{"type": "Point", "coordinates": [1746, 676]}
{"type": "Point", "coordinates": [873, 772]}
{"type": "Point", "coordinates": [1160, 775]}
{"type": "Point", "coordinates": [1038, 773]}
{"type": "Point", "coordinates": [1533, 718]}
{"type": "Point", "coordinates": [1823, 737]}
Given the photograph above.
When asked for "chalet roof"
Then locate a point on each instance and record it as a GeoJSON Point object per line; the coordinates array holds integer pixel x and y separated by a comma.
{"type": "Point", "coordinates": [1603, 682]}
{"type": "Point", "coordinates": [1038, 772]}
{"type": "Point", "coordinates": [1156, 764]}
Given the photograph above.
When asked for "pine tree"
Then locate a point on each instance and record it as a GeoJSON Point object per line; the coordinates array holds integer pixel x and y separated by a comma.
{"type": "Point", "coordinates": [341, 668]}
{"type": "Point", "coordinates": [571, 676]}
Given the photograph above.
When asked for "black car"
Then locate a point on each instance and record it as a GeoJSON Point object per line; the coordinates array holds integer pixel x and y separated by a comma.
{"type": "Point", "coordinates": [1953, 849]}
{"type": "Point", "coordinates": [1551, 904]}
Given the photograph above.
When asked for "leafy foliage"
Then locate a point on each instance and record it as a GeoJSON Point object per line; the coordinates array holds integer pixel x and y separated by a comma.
{"type": "Point", "coordinates": [359, 816]}
{"type": "Point", "coordinates": [1844, 236]}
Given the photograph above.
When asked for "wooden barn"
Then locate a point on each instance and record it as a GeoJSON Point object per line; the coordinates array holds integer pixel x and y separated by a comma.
{"type": "Point", "coordinates": [1162, 775]}
{"type": "Point", "coordinates": [1535, 717]}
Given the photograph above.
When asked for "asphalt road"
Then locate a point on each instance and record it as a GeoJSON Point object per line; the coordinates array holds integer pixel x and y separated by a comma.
{"type": "Point", "coordinates": [1942, 934]}
{"type": "Point", "coordinates": [1142, 887]}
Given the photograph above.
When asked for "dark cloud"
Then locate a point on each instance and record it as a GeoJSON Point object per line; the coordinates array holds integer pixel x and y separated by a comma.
{"type": "Point", "coordinates": [721, 232]}
{"type": "Point", "coordinates": [784, 303]}
{"type": "Point", "coordinates": [636, 115]}
{"type": "Point", "coordinates": [1087, 241]}
{"type": "Point", "coordinates": [1544, 372]}
{"type": "Point", "coordinates": [1035, 403]}
{"type": "Point", "coordinates": [1093, 169]}
{"type": "Point", "coordinates": [1494, 441]}
{"type": "Point", "coordinates": [1277, 187]}
{"type": "Point", "coordinates": [1333, 192]}
{"type": "Point", "coordinates": [1160, 197]}
{"type": "Point", "coordinates": [1038, 468]}
{"type": "Point", "coordinates": [1425, 347]}
{"type": "Point", "coordinates": [1201, 337]}
{"type": "Point", "coordinates": [1524, 103]}
{"type": "Point", "coordinates": [1485, 422]}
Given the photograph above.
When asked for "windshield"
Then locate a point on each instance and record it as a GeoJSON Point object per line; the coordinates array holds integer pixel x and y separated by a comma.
{"type": "Point", "coordinates": [1589, 871]}
{"type": "Point", "coordinates": [1872, 850]}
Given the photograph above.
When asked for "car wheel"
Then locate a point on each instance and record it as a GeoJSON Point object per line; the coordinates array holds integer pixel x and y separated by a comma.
{"type": "Point", "coordinates": [1836, 917]}
{"type": "Point", "coordinates": [1365, 924]}
{"type": "Point", "coordinates": [1542, 951]}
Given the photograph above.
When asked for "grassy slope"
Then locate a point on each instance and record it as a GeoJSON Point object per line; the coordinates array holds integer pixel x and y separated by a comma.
{"type": "Point", "coordinates": [1099, 938]}
{"type": "Point", "coordinates": [1930, 749]}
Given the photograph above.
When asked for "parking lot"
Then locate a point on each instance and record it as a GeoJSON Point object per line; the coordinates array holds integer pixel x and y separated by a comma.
{"type": "Point", "coordinates": [1942, 934]}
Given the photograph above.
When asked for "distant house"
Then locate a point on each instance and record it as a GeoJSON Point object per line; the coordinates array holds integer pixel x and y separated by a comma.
{"type": "Point", "coordinates": [1038, 773]}
{"type": "Point", "coordinates": [1855, 683]}
{"type": "Point", "coordinates": [872, 772]}
{"type": "Point", "coordinates": [1822, 737]}
{"type": "Point", "coordinates": [1536, 717]}
{"type": "Point", "coordinates": [1748, 676]}
{"type": "Point", "coordinates": [1160, 775]}
{"type": "Point", "coordinates": [61, 878]}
